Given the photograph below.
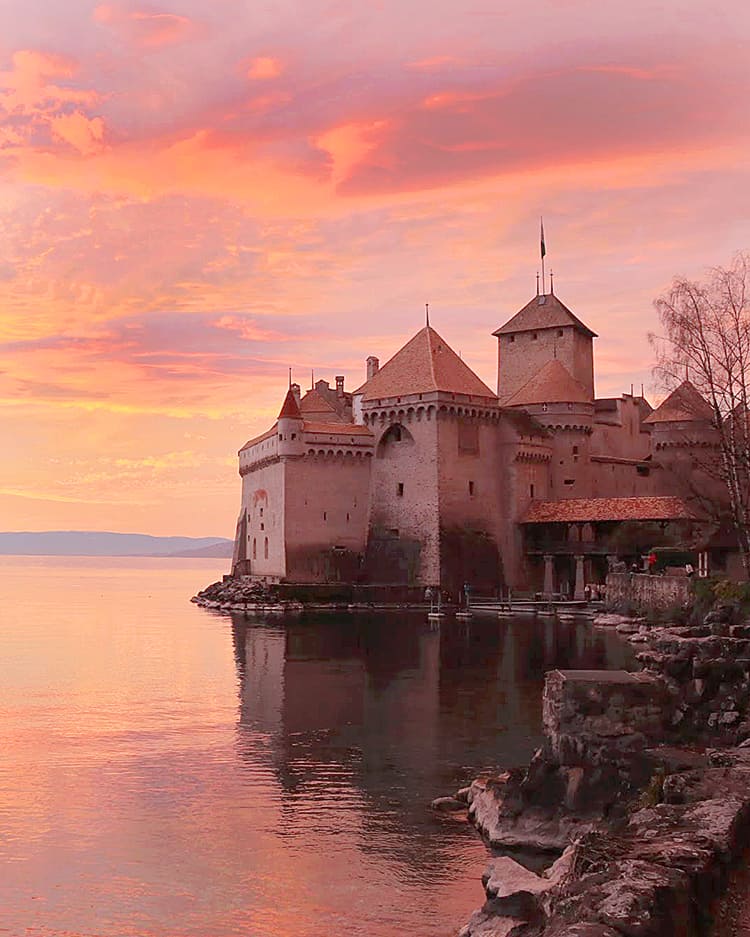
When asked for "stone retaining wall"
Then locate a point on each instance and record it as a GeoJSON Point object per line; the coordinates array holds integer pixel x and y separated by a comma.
{"type": "Point", "coordinates": [648, 593]}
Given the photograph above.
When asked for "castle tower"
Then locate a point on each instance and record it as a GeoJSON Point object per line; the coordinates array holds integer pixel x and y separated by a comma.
{"type": "Point", "coordinates": [289, 427]}
{"type": "Point", "coordinates": [544, 330]}
{"type": "Point", "coordinates": [684, 442]}
{"type": "Point", "coordinates": [565, 408]}
{"type": "Point", "coordinates": [434, 476]}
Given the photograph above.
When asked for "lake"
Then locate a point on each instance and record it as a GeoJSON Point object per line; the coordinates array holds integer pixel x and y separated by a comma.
{"type": "Point", "coordinates": [168, 771]}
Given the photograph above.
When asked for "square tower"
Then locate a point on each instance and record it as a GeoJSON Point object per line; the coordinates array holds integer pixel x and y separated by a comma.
{"type": "Point", "coordinates": [544, 330]}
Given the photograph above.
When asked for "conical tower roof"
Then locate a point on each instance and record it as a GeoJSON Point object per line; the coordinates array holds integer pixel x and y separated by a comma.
{"type": "Point", "coordinates": [684, 405]}
{"type": "Point", "coordinates": [552, 383]}
{"type": "Point", "coordinates": [426, 363]}
{"type": "Point", "coordinates": [290, 408]}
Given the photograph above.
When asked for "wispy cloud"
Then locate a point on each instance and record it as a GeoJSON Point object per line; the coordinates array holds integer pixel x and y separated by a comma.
{"type": "Point", "coordinates": [197, 196]}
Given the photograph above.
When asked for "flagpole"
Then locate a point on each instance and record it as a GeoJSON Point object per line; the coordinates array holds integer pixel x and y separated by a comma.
{"type": "Point", "coordinates": [542, 250]}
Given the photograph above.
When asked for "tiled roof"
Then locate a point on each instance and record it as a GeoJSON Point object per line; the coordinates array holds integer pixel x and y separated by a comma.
{"type": "Point", "coordinates": [267, 435]}
{"type": "Point", "coordinates": [586, 510]}
{"type": "Point", "coordinates": [552, 383]}
{"type": "Point", "coordinates": [290, 407]}
{"type": "Point", "coordinates": [338, 429]}
{"type": "Point", "coordinates": [524, 423]}
{"type": "Point", "coordinates": [315, 402]}
{"type": "Point", "coordinates": [426, 363]}
{"type": "Point", "coordinates": [543, 312]}
{"type": "Point", "coordinates": [684, 405]}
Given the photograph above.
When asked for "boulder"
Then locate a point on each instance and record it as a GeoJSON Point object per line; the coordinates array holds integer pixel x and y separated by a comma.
{"type": "Point", "coordinates": [448, 804]}
{"type": "Point", "coordinates": [514, 888]}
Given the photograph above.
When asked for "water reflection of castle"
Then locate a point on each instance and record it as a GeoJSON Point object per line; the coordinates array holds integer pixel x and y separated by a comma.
{"type": "Point", "coordinates": [383, 715]}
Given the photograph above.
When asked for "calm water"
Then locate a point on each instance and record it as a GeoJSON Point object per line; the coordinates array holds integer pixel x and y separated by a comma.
{"type": "Point", "coordinates": [166, 771]}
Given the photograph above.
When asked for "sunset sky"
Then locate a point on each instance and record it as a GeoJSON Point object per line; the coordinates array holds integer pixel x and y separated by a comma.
{"type": "Point", "coordinates": [195, 196]}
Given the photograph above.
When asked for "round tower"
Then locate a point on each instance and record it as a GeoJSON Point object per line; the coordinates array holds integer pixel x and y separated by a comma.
{"type": "Point", "coordinates": [290, 426]}
{"type": "Point", "coordinates": [564, 406]}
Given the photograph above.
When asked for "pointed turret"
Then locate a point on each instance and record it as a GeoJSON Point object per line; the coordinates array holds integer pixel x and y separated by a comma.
{"type": "Point", "coordinates": [684, 405]}
{"type": "Point", "coordinates": [290, 408]}
{"type": "Point", "coordinates": [289, 427]}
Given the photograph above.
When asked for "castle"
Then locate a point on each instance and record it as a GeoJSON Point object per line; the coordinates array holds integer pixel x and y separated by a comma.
{"type": "Point", "coordinates": [424, 476]}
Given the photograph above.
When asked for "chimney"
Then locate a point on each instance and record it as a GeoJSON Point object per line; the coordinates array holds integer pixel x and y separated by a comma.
{"type": "Point", "coordinates": [372, 367]}
{"type": "Point", "coordinates": [339, 385]}
{"type": "Point", "coordinates": [297, 392]}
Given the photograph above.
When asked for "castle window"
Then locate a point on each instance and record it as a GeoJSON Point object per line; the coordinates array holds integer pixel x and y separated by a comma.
{"type": "Point", "coordinates": [281, 437]}
{"type": "Point", "coordinates": [347, 517]}
{"type": "Point", "coordinates": [534, 336]}
{"type": "Point", "coordinates": [393, 532]}
{"type": "Point", "coordinates": [544, 407]}
{"type": "Point", "coordinates": [642, 470]}
{"type": "Point", "coordinates": [531, 490]}
{"type": "Point", "coordinates": [325, 515]}
{"type": "Point", "coordinates": [575, 450]}
{"type": "Point", "coordinates": [255, 548]}
{"type": "Point", "coordinates": [569, 481]}
{"type": "Point", "coordinates": [471, 488]}
{"type": "Point", "coordinates": [294, 435]}
{"type": "Point", "coordinates": [559, 333]}
{"type": "Point", "coordinates": [265, 548]}
{"type": "Point", "coordinates": [468, 438]}
{"type": "Point", "coordinates": [261, 512]}
{"type": "Point", "coordinates": [400, 489]}
{"type": "Point", "coordinates": [513, 338]}
{"type": "Point", "coordinates": [262, 526]}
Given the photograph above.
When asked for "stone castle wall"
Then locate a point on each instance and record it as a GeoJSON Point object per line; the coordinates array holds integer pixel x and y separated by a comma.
{"type": "Point", "coordinates": [326, 501]}
{"type": "Point", "coordinates": [404, 489]}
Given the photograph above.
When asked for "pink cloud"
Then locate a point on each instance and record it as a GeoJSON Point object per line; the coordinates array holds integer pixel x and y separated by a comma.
{"type": "Point", "coordinates": [146, 28]}
{"type": "Point", "coordinates": [434, 63]}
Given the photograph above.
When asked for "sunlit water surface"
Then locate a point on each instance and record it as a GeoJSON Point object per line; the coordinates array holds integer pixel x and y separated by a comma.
{"type": "Point", "coordinates": [167, 771]}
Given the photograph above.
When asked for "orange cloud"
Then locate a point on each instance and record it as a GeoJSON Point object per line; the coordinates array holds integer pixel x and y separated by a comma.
{"type": "Point", "coordinates": [27, 86]}
{"type": "Point", "coordinates": [82, 133]}
{"type": "Point", "coordinates": [264, 68]}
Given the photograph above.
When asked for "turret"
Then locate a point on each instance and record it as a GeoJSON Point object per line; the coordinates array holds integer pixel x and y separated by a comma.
{"type": "Point", "coordinates": [289, 427]}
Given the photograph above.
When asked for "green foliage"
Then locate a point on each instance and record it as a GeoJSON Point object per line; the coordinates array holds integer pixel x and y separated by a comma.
{"type": "Point", "coordinates": [675, 614]}
{"type": "Point", "coordinates": [729, 591]}
{"type": "Point", "coordinates": [654, 792]}
{"type": "Point", "coordinates": [633, 538]}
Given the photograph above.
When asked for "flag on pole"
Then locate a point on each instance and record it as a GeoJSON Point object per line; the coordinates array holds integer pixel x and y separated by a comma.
{"type": "Point", "coordinates": [541, 243]}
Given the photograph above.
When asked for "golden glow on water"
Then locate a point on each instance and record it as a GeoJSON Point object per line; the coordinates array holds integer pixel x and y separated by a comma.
{"type": "Point", "coordinates": [169, 773]}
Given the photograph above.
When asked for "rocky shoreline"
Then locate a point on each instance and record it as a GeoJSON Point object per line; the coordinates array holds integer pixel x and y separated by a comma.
{"type": "Point", "coordinates": [244, 596]}
{"type": "Point", "coordinates": [640, 794]}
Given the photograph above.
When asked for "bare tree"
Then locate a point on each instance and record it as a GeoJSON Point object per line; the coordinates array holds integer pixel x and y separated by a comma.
{"type": "Point", "coordinates": [707, 336]}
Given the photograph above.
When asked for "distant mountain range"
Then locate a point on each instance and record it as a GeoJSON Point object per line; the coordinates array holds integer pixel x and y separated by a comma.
{"type": "Point", "coordinates": [105, 543]}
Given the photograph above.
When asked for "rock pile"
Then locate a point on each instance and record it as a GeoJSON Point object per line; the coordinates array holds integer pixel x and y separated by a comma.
{"type": "Point", "coordinates": [242, 594]}
{"type": "Point", "coordinates": [647, 816]}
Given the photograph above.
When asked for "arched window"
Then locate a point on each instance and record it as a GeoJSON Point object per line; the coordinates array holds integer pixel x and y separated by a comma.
{"type": "Point", "coordinates": [393, 439]}
{"type": "Point", "coordinates": [255, 549]}
{"type": "Point", "coordinates": [265, 548]}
